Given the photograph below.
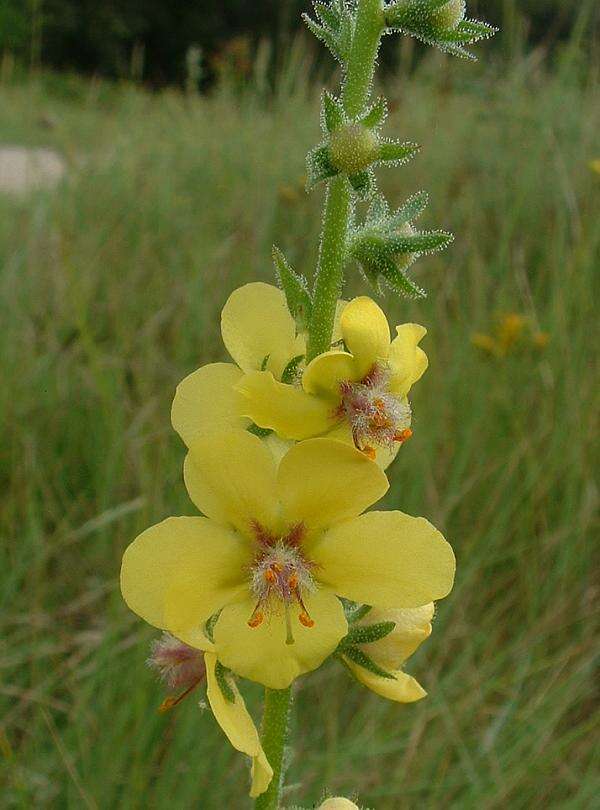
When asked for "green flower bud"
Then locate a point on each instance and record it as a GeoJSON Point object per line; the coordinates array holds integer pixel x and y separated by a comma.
{"type": "Point", "coordinates": [448, 16]}
{"type": "Point", "coordinates": [352, 148]}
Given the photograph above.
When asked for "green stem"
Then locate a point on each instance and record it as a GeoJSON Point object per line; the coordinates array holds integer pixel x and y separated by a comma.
{"type": "Point", "coordinates": [370, 23]}
{"type": "Point", "coordinates": [274, 734]}
{"type": "Point", "coordinates": [328, 284]}
{"type": "Point", "coordinates": [330, 269]}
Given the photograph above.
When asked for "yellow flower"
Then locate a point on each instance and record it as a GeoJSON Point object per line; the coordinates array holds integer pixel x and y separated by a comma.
{"type": "Point", "coordinates": [181, 666]}
{"type": "Point", "coordinates": [412, 627]}
{"type": "Point", "coordinates": [338, 803]}
{"type": "Point", "coordinates": [359, 395]}
{"type": "Point", "coordinates": [259, 333]}
{"type": "Point", "coordinates": [595, 165]}
{"type": "Point", "coordinates": [278, 546]}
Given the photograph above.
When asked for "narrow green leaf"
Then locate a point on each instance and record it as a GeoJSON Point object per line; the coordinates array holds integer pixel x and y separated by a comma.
{"type": "Point", "coordinates": [333, 112]}
{"type": "Point", "coordinates": [294, 287]}
{"type": "Point", "coordinates": [401, 284]}
{"type": "Point", "coordinates": [476, 29]}
{"type": "Point", "coordinates": [397, 152]}
{"type": "Point", "coordinates": [324, 35]}
{"type": "Point", "coordinates": [221, 675]}
{"type": "Point", "coordinates": [363, 660]}
{"type": "Point", "coordinates": [376, 115]}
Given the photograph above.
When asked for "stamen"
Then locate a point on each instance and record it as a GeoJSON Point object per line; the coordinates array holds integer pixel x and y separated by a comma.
{"type": "Point", "coordinates": [270, 576]}
{"type": "Point", "coordinates": [172, 701]}
{"type": "Point", "coordinates": [289, 637]}
{"type": "Point", "coordinates": [370, 452]}
{"type": "Point", "coordinates": [305, 619]}
{"type": "Point", "coordinates": [403, 436]}
{"type": "Point", "coordinates": [256, 619]}
{"type": "Point", "coordinates": [293, 582]}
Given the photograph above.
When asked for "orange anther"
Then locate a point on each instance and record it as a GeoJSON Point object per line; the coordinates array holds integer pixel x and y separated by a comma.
{"type": "Point", "coordinates": [305, 619]}
{"type": "Point", "coordinates": [293, 582]}
{"type": "Point", "coordinates": [270, 575]}
{"type": "Point", "coordinates": [403, 435]}
{"type": "Point", "coordinates": [379, 404]}
{"type": "Point", "coordinates": [370, 452]}
{"type": "Point", "coordinates": [256, 619]}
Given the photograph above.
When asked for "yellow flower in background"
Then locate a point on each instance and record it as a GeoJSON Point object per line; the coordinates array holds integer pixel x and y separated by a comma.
{"type": "Point", "coordinates": [359, 395]}
{"type": "Point", "coordinates": [511, 331]}
{"type": "Point", "coordinates": [278, 546]}
{"type": "Point", "coordinates": [181, 666]}
{"type": "Point", "coordinates": [595, 165]}
{"type": "Point", "coordinates": [412, 627]}
{"type": "Point", "coordinates": [338, 803]}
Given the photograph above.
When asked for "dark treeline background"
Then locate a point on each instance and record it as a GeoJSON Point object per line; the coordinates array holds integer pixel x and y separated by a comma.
{"type": "Point", "coordinates": [149, 39]}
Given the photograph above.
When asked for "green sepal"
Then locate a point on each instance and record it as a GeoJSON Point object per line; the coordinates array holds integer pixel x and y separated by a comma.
{"type": "Point", "coordinates": [332, 113]}
{"type": "Point", "coordinates": [363, 660]}
{"type": "Point", "coordinates": [375, 115]}
{"type": "Point", "coordinates": [400, 283]}
{"type": "Point", "coordinates": [396, 152]}
{"type": "Point", "coordinates": [363, 184]}
{"type": "Point", "coordinates": [221, 674]}
{"type": "Point", "coordinates": [209, 626]}
{"type": "Point", "coordinates": [353, 614]}
{"type": "Point", "coordinates": [366, 634]}
{"type": "Point", "coordinates": [259, 431]}
{"type": "Point", "coordinates": [294, 287]}
{"type": "Point", "coordinates": [291, 370]}
{"type": "Point", "coordinates": [378, 212]}
{"type": "Point", "coordinates": [328, 15]}
{"type": "Point", "coordinates": [476, 29]}
{"type": "Point", "coordinates": [319, 166]}
{"type": "Point", "coordinates": [411, 210]}
{"type": "Point", "coordinates": [420, 242]}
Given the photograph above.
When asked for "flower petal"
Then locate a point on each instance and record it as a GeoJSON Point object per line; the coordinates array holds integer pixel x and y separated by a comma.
{"type": "Point", "coordinates": [402, 688]}
{"type": "Point", "coordinates": [256, 324]}
{"type": "Point", "coordinates": [231, 479]}
{"type": "Point", "coordinates": [407, 361]}
{"type": "Point", "coordinates": [413, 626]}
{"type": "Point", "coordinates": [323, 375]}
{"type": "Point", "coordinates": [322, 482]}
{"type": "Point", "coordinates": [366, 332]}
{"type": "Point", "coordinates": [176, 574]}
{"type": "Point", "coordinates": [261, 653]}
{"type": "Point", "coordinates": [289, 411]}
{"type": "Point", "coordinates": [207, 402]}
{"type": "Point", "coordinates": [235, 720]}
{"type": "Point", "coordinates": [386, 558]}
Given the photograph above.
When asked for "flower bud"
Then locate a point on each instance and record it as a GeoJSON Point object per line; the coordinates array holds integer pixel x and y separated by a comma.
{"type": "Point", "coordinates": [338, 803]}
{"type": "Point", "coordinates": [448, 16]}
{"type": "Point", "coordinates": [352, 148]}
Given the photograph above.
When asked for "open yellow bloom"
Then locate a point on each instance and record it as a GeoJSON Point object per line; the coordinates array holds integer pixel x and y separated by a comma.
{"type": "Point", "coordinates": [359, 395]}
{"type": "Point", "coordinates": [412, 627]}
{"type": "Point", "coordinates": [279, 544]}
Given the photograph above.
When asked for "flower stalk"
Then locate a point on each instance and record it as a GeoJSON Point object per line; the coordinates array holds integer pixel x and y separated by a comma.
{"type": "Point", "coordinates": [357, 84]}
{"type": "Point", "coordinates": [274, 734]}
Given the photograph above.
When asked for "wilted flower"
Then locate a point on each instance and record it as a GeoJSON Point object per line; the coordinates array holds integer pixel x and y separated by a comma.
{"type": "Point", "coordinates": [183, 667]}
{"type": "Point", "coordinates": [278, 546]}
{"type": "Point", "coordinates": [358, 395]}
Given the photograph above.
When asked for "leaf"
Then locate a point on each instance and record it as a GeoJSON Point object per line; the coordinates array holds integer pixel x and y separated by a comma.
{"type": "Point", "coordinates": [401, 284]}
{"type": "Point", "coordinates": [376, 115]}
{"type": "Point", "coordinates": [319, 166]}
{"type": "Point", "coordinates": [332, 112]}
{"type": "Point", "coordinates": [368, 633]}
{"type": "Point", "coordinates": [294, 287]}
{"type": "Point", "coordinates": [221, 675]}
{"type": "Point", "coordinates": [363, 660]}
{"type": "Point", "coordinates": [397, 152]}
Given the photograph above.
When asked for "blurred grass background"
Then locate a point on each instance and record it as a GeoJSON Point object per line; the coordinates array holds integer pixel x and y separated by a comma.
{"type": "Point", "coordinates": [111, 289]}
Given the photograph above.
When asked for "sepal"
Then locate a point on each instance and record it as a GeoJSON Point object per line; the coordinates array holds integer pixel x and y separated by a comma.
{"type": "Point", "coordinates": [366, 634]}
{"type": "Point", "coordinates": [335, 27]}
{"type": "Point", "coordinates": [332, 113]}
{"type": "Point", "coordinates": [295, 289]}
{"type": "Point", "coordinates": [363, 660]}
{"type": "Point", "coordinates": [319, 166]}
{"type": "Point", "coordinates": [221, 674]}
{"type": "Point", "coordinates": [396, 152]}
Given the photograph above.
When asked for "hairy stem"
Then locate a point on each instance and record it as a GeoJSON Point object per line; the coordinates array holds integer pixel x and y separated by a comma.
{"type": "Point", "coordinates": [355, 93]}
{"type": "Point", "coordinates": [274, 734]}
